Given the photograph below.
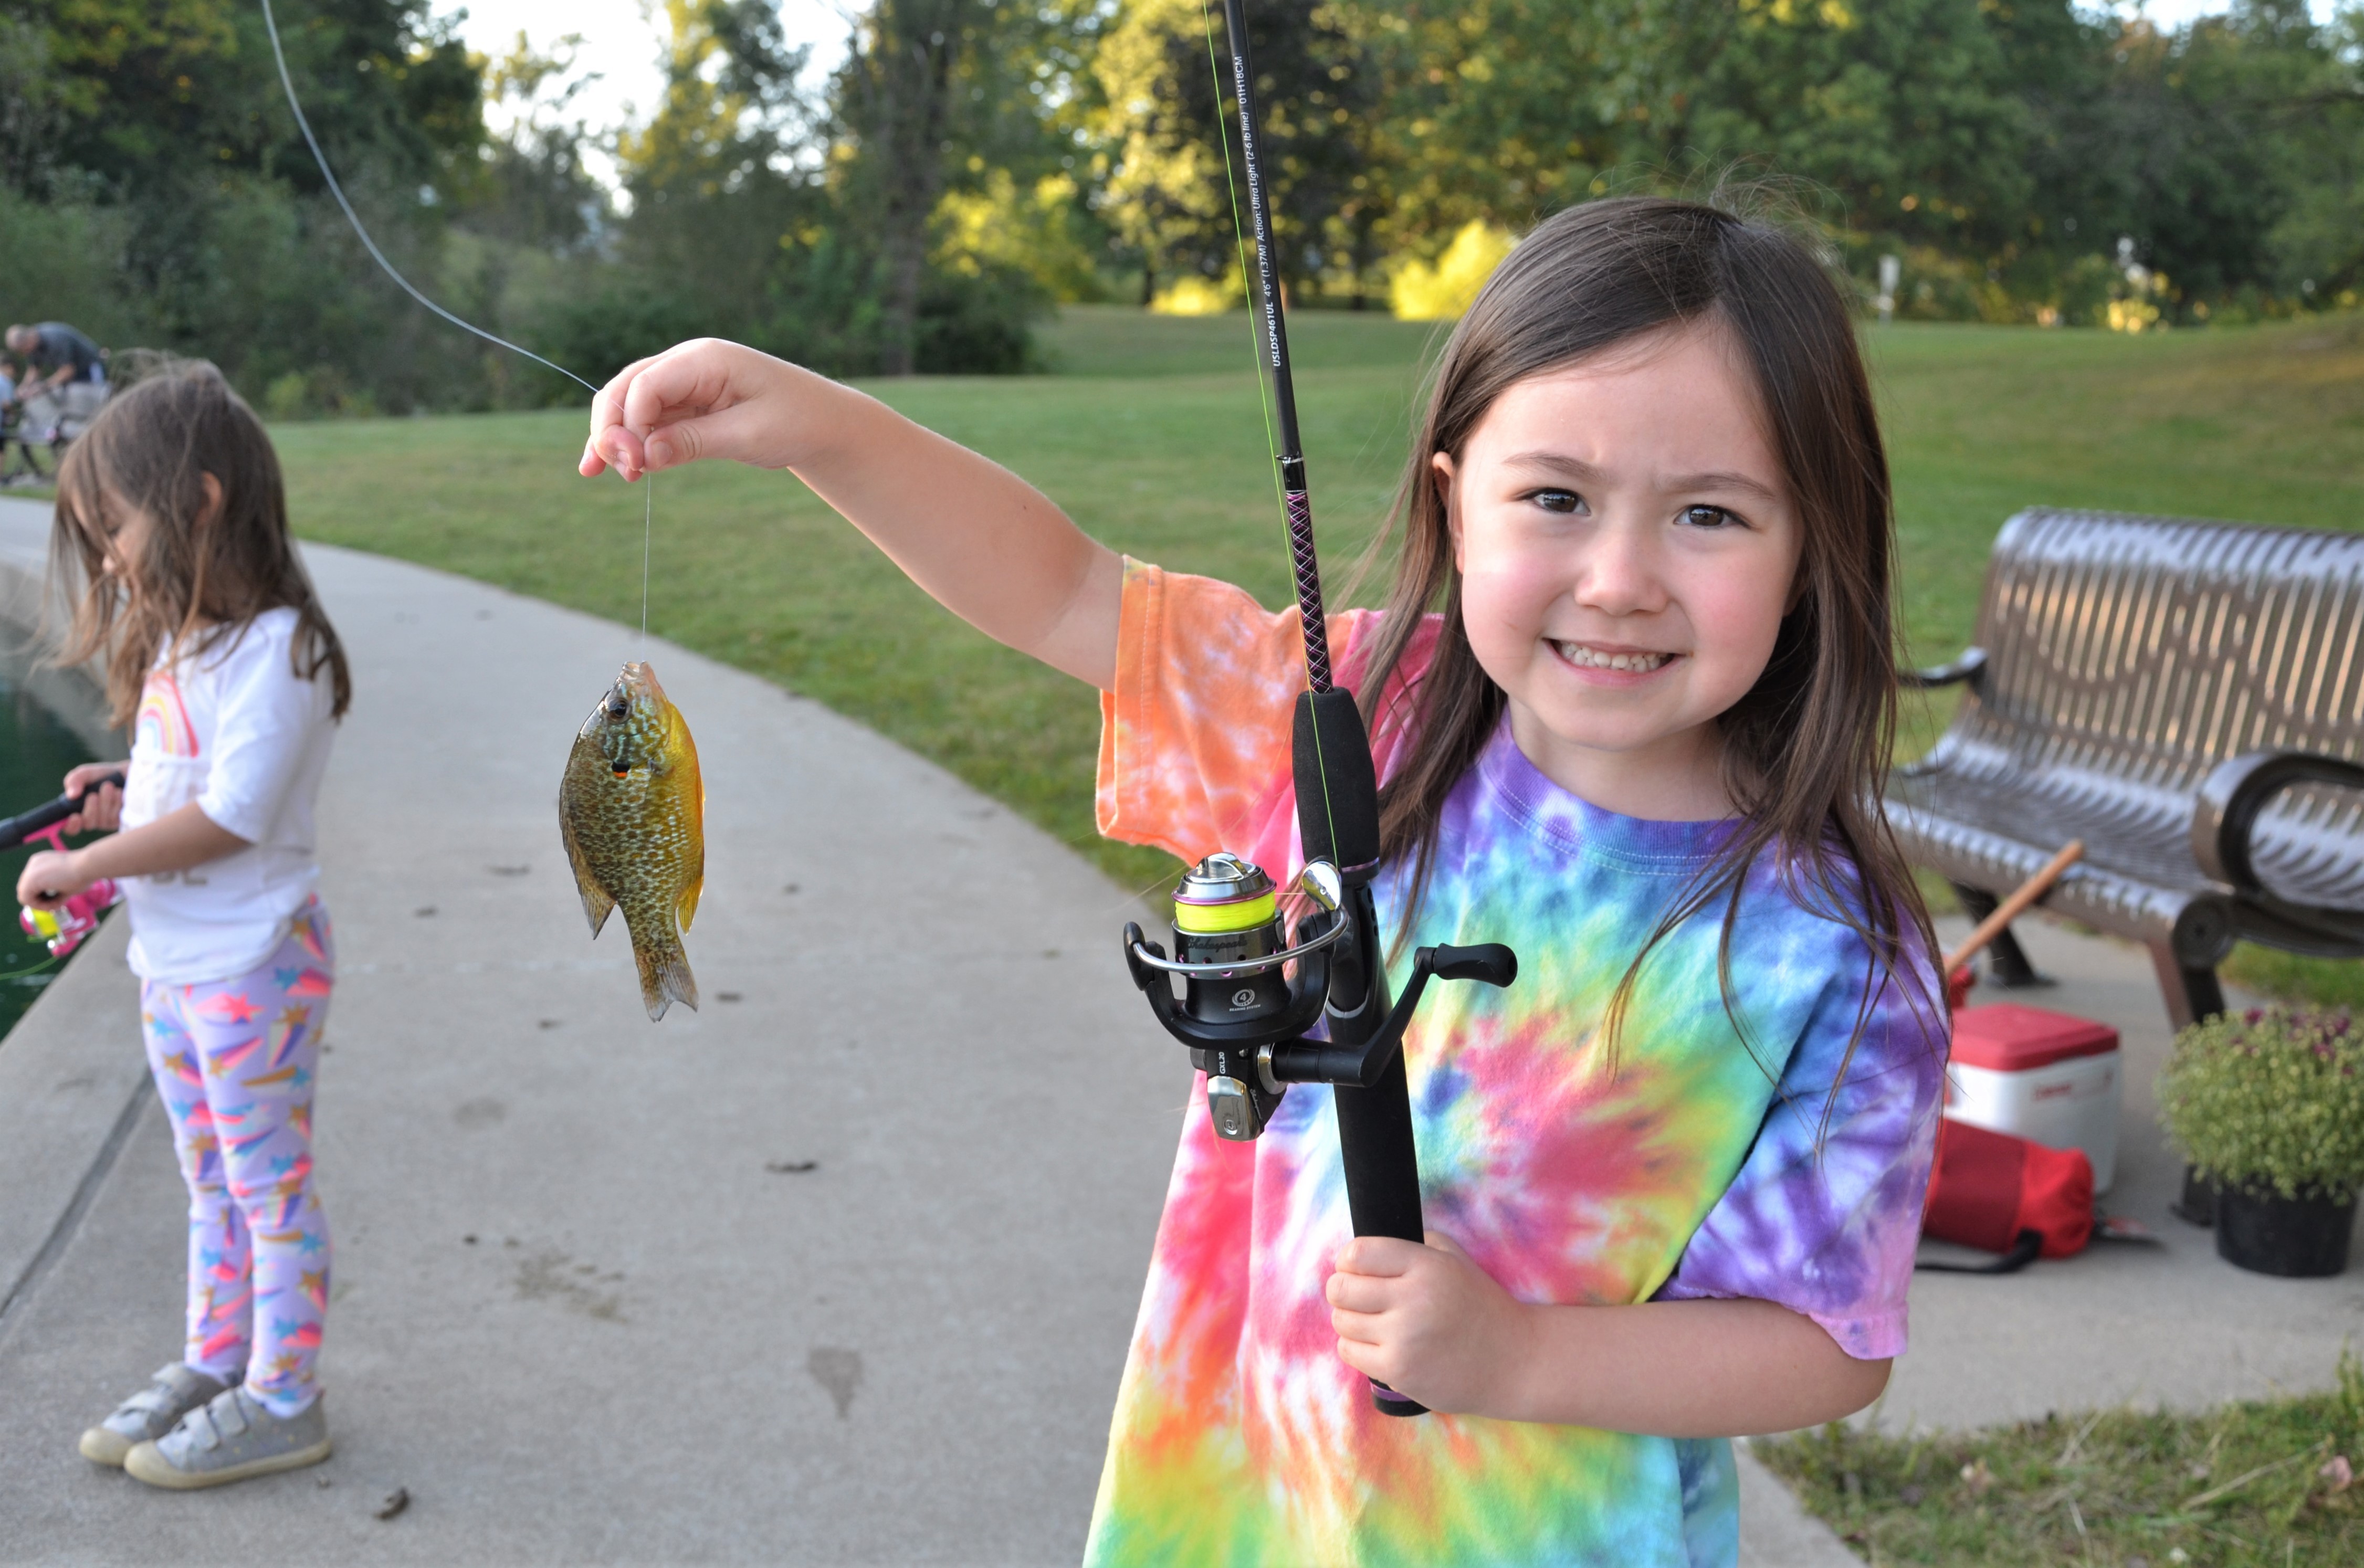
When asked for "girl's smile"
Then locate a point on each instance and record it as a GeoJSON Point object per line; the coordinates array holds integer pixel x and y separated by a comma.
{"type": "Point", "coordinates": [1627, 546]}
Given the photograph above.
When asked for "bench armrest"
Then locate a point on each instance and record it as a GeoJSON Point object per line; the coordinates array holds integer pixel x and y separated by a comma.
{"type": "Point", "coordinates": [1969, 667]}
{"type": "Point", "coordinates": [2235, 791]}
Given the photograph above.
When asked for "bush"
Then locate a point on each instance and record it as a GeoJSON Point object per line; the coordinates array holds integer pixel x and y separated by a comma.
{"type": "Point", "coordinates": [2271, 1098]}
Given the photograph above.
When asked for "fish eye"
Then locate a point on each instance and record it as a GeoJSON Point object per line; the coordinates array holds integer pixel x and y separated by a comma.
{"type": "Point", "coordinates": [616, 707]}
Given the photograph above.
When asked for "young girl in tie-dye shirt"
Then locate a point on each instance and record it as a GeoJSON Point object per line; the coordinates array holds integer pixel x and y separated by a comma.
{"type": "Point", "coordinates": [1631, 696]}
{"type": "Point", "coordinates": [172, 522]}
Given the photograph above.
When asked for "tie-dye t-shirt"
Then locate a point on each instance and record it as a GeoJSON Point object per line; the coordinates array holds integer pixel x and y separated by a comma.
{"type": "Point", "coordinates": [1700, 1164]}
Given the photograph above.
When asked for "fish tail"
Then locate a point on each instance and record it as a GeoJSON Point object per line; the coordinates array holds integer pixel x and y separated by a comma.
{"type": "Point", "coordinates": [664, 969]}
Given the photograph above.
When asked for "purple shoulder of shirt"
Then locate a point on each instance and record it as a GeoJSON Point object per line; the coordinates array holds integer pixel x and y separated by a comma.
{"type": "Point", "coordinates": [1825, 1212]}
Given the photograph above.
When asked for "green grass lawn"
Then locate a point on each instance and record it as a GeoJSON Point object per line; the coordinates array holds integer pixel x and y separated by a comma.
{"type": "Point", "coordinates": [1150, 434]}
{"type": "Point", "coordinates": [2253, 1485]}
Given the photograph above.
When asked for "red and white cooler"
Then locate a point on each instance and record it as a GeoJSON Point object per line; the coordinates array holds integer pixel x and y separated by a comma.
{"type": "Point", "coordinates": [2047, 1077]}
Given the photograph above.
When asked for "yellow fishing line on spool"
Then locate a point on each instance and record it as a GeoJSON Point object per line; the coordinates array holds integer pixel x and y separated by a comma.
{"type": "Point", "coordinates": [1208, 919]}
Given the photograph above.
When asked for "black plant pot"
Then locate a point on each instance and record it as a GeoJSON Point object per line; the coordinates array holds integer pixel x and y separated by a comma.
{"type": "Point", "coordinates": [2297, 1238]}
{"type": "Point", "coordinates": [2197, 1203]}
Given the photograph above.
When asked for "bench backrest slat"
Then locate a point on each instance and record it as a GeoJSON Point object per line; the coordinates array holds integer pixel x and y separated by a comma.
{"type": "Point", "coordinates": [2128, 655]}
{"type": "Point", "coordinates": [2154, 648]}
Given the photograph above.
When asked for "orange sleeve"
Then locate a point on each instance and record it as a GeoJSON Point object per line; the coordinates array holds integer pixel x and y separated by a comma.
{"type": "Point", "coordinates": [1195, 739]}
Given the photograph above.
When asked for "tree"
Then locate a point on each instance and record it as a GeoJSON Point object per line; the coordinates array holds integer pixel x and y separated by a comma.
{"type": "Point", "coordinates": [1168, 120]}
{"type": "Point", "coordinates": [898, 101]}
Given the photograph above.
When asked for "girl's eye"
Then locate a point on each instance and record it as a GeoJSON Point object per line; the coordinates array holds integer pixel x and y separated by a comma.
{"type": "Point", "coordinates": [1709, 518]}
{"type": "Point", "coordinates": [1562, 501]}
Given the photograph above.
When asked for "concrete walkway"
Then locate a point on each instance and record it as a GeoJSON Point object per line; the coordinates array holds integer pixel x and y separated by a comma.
{"type": "Point", "coordinates": [591, 1305]}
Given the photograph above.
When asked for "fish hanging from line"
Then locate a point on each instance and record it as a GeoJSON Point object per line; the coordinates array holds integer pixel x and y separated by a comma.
{"type": "Point", "coordinates": [632, 811]}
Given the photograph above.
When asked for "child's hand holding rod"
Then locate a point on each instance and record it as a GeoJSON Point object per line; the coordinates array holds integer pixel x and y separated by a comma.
{"type": "Point", "coordinates": [178, 840]}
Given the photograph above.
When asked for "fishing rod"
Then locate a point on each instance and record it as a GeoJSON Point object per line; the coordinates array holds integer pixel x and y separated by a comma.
{"type": "Point", "coordinates": [42, 822]}
{"type": "Point", "coordinates": [1243, 1016]}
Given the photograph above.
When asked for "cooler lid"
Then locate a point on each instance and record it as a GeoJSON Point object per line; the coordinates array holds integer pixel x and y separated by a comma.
{"type": "Point", "coordinates": [2005, 1036]}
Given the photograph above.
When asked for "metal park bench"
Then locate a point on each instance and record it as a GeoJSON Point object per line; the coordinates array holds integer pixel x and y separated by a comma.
{"type": "Point", "coordinates": [2187, 698]}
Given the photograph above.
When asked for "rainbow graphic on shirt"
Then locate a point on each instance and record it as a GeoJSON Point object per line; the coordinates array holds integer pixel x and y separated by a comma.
{"type": "Point", "coordinates": [1695, 1162]}
{"type": "Point", "coordinates": [161, 723]}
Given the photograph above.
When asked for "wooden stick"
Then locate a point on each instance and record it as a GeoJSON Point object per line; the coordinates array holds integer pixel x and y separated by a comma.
{"type": "Point", "coordinates": [2013, 908]}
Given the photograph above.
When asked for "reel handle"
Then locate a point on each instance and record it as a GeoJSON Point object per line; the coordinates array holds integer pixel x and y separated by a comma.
{"type": "Point", "coordinates": [1489, 963]}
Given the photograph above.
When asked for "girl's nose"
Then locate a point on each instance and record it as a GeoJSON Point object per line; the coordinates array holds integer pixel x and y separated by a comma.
{"type": "Point", "coordinates": [1618, 574]}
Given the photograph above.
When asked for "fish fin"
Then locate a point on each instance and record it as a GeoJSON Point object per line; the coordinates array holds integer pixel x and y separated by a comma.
{"type": "Point", "coordinates": [597, 904]}
{"type": "Point", "coordinates": [685, 907]}
{"type": "Point", "coordinates": [664, 968]}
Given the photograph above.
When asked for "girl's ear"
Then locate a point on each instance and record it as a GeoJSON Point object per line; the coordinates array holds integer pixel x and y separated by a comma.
{"type": "Point", "coordinates": [1440, 475]}
{"type": "Point", "coordinates": [213, 487]}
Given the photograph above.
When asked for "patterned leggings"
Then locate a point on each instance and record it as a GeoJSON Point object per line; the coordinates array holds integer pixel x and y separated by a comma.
{"type": "Point", "coordinates": [235, 1062]}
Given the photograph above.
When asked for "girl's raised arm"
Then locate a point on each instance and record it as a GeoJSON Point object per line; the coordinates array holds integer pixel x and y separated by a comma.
{"type": "Point", "coordinates": [985, 544]}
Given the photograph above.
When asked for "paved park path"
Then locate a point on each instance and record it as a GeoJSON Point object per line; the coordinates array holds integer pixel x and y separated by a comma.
{"type": "Point", "coordinates": [838, 1270]}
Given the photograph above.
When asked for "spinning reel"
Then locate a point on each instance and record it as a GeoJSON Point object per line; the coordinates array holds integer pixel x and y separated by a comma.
{"type": "Point", "coordinates": [1244, 1018]}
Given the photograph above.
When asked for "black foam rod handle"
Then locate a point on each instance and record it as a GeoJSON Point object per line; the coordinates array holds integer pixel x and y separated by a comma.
{"type": "Point", "coordinates": [1337, 790]}
{"type": "Point", "coordinates": [1375, 1141]}
{"type": "Point", "coordinates": [1489, 962]}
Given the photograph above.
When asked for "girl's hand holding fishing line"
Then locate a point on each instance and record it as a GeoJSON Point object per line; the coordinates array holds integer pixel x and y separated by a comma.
{"type": "Point", "coordinates": [985, 544]}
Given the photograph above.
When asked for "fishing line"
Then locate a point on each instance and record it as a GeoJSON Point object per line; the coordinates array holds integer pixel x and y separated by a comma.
{"type": "Point", "coordinates": [271, 26]}
{"type": "Point", "coordinates": [1240, 240]}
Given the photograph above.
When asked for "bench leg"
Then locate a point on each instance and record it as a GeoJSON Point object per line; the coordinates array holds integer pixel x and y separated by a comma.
{"type": "Point", "coordinates": [2007, 965]}
{"type": "Point", "coordinates": [2192, 994]}
{"type": "Point", "coordinates": [2192, 997]}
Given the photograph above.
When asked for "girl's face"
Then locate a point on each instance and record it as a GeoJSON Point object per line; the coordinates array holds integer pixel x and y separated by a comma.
{"type": "Point", "coordinates": [1627, 546]}
{"type": "Point", "coordinates": [122, 531]}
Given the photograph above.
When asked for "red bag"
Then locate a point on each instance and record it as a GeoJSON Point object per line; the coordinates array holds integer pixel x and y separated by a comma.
{"type": "Point", "coordinates": [2006, 1194]}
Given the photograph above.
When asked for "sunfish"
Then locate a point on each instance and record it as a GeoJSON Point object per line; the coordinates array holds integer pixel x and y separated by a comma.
{"type": "Point", "coordinates": [632, 811]}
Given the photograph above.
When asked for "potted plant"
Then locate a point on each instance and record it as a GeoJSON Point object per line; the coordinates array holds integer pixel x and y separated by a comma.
{"type": "Point", "coordinates": [2269, 1105]}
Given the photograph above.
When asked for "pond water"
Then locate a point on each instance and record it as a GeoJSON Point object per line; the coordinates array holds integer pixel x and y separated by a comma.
{"type": "Point", "coordinates": [36, 750]}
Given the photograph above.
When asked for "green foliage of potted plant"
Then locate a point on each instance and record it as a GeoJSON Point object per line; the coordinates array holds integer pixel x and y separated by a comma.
{"type": "Point", "coordinates": [2269, 1104]}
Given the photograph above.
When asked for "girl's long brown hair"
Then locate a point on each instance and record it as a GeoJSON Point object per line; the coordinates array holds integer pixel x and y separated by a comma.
{"type": "Point", "coordinates": [1806, 751]}
{"type": "Point", "coordinates": [202, 575]}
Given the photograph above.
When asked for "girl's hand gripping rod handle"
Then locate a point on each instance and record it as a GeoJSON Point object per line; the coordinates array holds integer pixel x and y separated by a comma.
{"type": "Point", "coordinates": [42, 820]}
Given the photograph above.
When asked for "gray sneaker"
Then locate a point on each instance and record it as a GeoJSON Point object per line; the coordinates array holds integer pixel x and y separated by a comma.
{"type": "Point", "coordinates": [231, 1438]}
{"type": "Point", "coordinates": [173, 1393]}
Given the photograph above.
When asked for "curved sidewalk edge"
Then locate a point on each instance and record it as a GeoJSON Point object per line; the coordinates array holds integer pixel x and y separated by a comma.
{"type": "Point", "coordinates": [70, 1087]}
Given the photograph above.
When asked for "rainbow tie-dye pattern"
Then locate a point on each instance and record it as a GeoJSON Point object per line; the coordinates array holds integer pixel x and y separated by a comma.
{"type": "Point", "coordinates": [1696, 1163]}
